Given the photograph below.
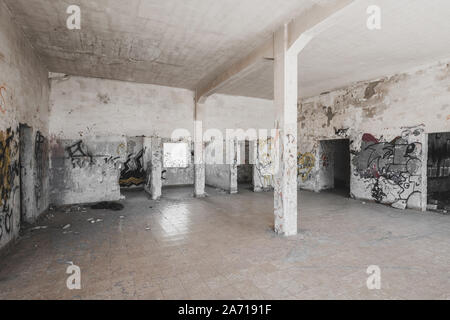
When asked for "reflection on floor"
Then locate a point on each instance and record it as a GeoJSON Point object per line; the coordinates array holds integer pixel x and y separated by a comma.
{"type": "Point", "coordinates": [223, 247]}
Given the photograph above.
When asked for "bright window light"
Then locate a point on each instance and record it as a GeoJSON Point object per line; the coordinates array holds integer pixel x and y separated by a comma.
{"type": "Point", "coordinates": [176, 155]}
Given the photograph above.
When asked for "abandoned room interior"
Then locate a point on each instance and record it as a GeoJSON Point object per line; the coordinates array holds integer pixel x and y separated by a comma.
{"type": "Point", "coordinates": [198, 149]}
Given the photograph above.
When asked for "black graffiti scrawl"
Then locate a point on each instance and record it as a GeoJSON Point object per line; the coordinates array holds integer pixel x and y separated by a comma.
{"type": "Point", "coordinates": [133, 173]}
{"type": "Point", "coordinates": [391, 169]}
{"type": "Point", "coordinates": [40, 154]}
{"type": "Point", "coordinates": [79, 155]}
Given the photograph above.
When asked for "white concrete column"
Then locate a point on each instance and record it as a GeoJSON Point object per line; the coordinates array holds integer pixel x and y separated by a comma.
{"type": "Point", "coordinates": [233, 145]}
{"type": "Point", "coordinates": [199, 152]}
{"type": "Point", "coordinates": [156, 169]}
{"type": "Point", "coordinates": [285, 95]}
{"type": "Point", "coordinates": [147, 159]}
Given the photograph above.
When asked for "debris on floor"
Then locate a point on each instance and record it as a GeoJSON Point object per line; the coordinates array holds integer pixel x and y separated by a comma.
{"type": "Point", "coordinates": [218, 190]}
{"type": "Point", "coordinates": [115, 206]}
{"type": "Point", "coordinates": [93, 220]}
{"type": "Point", "coordinates": [439, 202]}
{"type": "Point", "coordinates": [67, 226]}
{"type": "Point", "coordinates": [76, 208]}
{"type": "Point", "coordinates": [39, 227]}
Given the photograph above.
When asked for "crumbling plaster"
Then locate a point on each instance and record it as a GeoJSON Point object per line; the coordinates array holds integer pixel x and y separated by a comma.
{"type": "Point", "coordinates": [386, 121]}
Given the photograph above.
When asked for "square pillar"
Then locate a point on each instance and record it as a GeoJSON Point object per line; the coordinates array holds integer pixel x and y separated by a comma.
{"type": "Point", "coordinates": [233, 146]}
{"type": "Point", "coordinates": [285, 96]}
{"type": "Point", "coordinates": [156, 169]}
{"type": "Point", "coordinates": [199, 153]}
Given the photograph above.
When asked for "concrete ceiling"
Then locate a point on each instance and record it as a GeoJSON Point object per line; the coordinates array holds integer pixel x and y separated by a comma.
{"type": "Point", "coordinates": [167, 42]}
{"type": "Point", "coordinates": [179, 43]}
{"type": "Point", "coordinates": [414, 33]}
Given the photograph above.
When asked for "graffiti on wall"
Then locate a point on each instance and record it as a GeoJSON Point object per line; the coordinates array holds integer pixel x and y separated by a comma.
{"type": "Point", "coordinates": [133, 173]}
{"type": "Point", "coordinates": [9, 170]}
{"type": "Point", "coordinates": [79, 155]}
{"type": "Point", "coordinates": [2, 99]}
{"type": "Point", "coordinates": [40, 154]}
{"type": "Point", "coordinates": [325, 160]}
{"type": "Point", "coordinates": [392, 169]}
{"type": "Point", "coordinates": [342, 132]}
{"type": "Point", "coordinates": [305, 164]}
{"type": "Point", "coordinates": [265, 161]}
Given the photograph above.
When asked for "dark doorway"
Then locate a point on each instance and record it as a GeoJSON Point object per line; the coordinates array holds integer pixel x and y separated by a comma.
{"type": "Point", "coordinates": [335, 166]}
{"type": "Point", "coordinates": [438, 172]}
{"type": "Point", "coordinates": [26, 172]}
{"type": "Point", "coordinates": [244, 169]}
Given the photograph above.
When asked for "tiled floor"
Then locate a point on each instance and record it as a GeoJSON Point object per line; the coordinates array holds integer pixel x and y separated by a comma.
{"type": "Point", "coordinates": [223, 247]}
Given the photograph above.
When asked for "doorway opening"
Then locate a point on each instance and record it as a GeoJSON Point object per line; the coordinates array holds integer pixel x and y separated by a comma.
{"type": "Point", "coordinates": [438, 172]}
{"type": "Point", "coordinates": [335, 166]}
{"type": "Point", "coordinates": [26, 173]}
{"type": "Point", "coordinates": [244, 168]}
{"type": "Point", "coordinates": [177, 175]}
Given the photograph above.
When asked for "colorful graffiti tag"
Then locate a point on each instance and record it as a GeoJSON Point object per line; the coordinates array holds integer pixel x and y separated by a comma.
{"type": "Point", "coordinates": [9, 170]}
{"type": "Point", "coordinates": [305, 164]}
{"type": "Point", "coordinates": [133, 173]}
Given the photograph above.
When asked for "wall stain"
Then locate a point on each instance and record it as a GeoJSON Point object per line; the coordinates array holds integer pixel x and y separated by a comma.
{"type": "Point", "coordinates": [103, 98]}
{"type": "Point", "coordinates": [370, 90]}
{"type": "Point", "coordinates": [330, 115]}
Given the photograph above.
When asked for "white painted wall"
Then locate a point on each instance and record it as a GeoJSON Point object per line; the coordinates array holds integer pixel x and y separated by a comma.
{"type": "Point", "coordinates": [83, 108]}
{"type": "Point", "coordinates": [233, 112]}
{"type": "Point", "coordinates": [89, 106]}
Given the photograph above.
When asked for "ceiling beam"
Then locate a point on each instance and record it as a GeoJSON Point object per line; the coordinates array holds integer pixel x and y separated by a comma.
{"type": "Point", "coordinates": [313, 21]}
{"type": "Point", "coordinates": [243, 67]}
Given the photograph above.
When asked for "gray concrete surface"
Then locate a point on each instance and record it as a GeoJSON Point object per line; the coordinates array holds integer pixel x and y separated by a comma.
{"type": "Point", "coordinates": [223, 246]}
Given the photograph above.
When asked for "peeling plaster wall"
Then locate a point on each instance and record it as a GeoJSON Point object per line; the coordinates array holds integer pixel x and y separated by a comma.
{"type": "Point", "coordinates": [386, 121]}
{"type": "Point", "coordinates": [24, 92]}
